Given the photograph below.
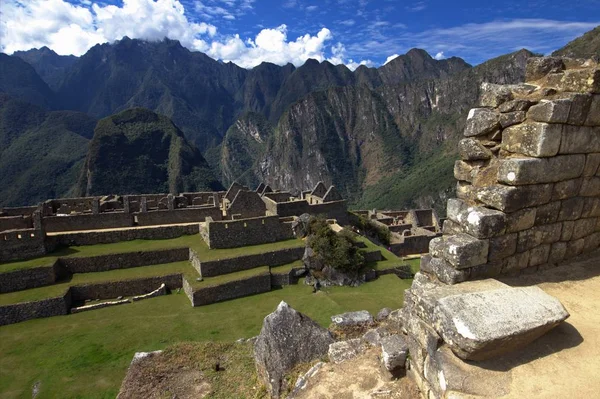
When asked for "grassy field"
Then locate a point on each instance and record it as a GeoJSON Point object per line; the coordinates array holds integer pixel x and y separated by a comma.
{"type": "Point", "coordinates": [86, 355]}
{"type": "Point", "coordinates": [194, 242]}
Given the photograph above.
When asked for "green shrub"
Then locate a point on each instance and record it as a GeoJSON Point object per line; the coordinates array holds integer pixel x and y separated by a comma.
{"type": "Point", "coordinates": [336, 250]}
{"type": "Point", "coordinates": [382, 233]}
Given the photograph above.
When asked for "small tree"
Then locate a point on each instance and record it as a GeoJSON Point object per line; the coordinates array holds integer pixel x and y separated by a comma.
{"type": "Point", "coordinates": [337, 250]}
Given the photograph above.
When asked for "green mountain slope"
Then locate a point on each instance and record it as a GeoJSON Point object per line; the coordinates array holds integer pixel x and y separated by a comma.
{"type": "Point", "coordinates": [586, 46]}
{"type": "Point", "coordinates": [41, 153]}
{"type": "Point", "coordinates": [50, 66]}
{"type": "Point", "coordinates": [19, 79]}
{"type": "Point", "coordinates": [138, 151]}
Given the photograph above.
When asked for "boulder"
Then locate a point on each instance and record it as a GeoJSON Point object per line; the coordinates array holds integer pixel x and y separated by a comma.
{"type": "Point", "coordinates": [373, 336]}
{"type": "Point", "coordinates": [484, 325]}
{"type": "Point", "coordinates": [383, 314]}
{"type": "Point", "coordinates": [394, 350]}
{"type": "Point", "coordinates": [287, 338]}
{"type": "Point", "coordinates": [515, 106]}
{"type": "Point", "coordinates": [311, 260]}
{"type": "Point", "coordinates": [300, 225]}
{"type": "Point", "coordinates": [481, 121]}
{"type": "Point", "coordinates": [492, 95]}
{"type": "Point", "coordinates": [345, 350]}
{"type": "Point", "coordinates": [352, 318]}
{"type": "Point", "coordinates": [471, 149]}
{"type": "Point", "coordinates": [538, 67]}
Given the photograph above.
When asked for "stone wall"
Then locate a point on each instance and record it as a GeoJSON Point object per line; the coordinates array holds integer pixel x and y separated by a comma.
{"type": "Point", "coordinates": [127, 260]}
{"type": "Point", "coordinates": [529, 184]}
{"type": "Point", "coordinates": [246, 204]}
{"type": "Point", "coordinates": [107, 237]}
{"type": "Point", "coordinates": [88, 222]}
{"type": "Point", "coordinates": [21, 244]}
{"type": "Point", "coordinates": [23, 279]}
{"type": "Point", "coordinates": [15, 223]}
{"type": "Point", "coordinates": [18, 211]}
{"type": "Point", "coordinates": [240, 233]}
{"type": "Point", "coordinates": [412, 245]}
{"type": "Point", "coordinates": [184, 215]}
{"type": "Point", "coordinates": [331, 210]}
{"type": "Point", "coordinates": [16, 313]}
{"type": "Point", "coordinates": [231, 290]}
{"type": "Point", "coordinates": [224, 266]}
{"type": "Point", "coordinates": [528, 198]}
{"type": "Point", "coordinates": [114, 289]}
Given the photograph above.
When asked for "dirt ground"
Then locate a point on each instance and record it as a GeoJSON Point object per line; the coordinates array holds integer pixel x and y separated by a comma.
{"type": "Point", "coordinates": [564, 362]}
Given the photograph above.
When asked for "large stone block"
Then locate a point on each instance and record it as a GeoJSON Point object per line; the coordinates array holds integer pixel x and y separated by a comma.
{"type": "Point", "coordinates": [520, 220]}
{"type": "Point", "coordinates": [394, 351]}
{"type": "Point", "coordinates": [583, 227]}
{"type": "Point", "coordinates": [483, 222]}
{"type": "Point", "coordinates": [512, 198]}
{"type": "Point", "coordinates": [574, 248]}
{"type": "Point", "coordinates": [579, 108]}
{"type": "Point", "coordinates": [538, 67]}
{"type": "Point", "coordinates": [567, 230]}
{"type": "Point", "coordinates": [484, 325]}
{"type": "Point", "coordinates": [551, 111]}
{"type": "Point", "coordinates": [533, 139]}
{"type": "Point", "coordinates": [591, 207]}
{"type": "Point", "coordinates": [461, 250]}
{"type": "Point", "coordinates": [426, 336]}
{"type": "Point", "coordinates": [455, 209]}
{"type": "Point", "coordinates": [593, 116]}
{"type": "Point", "coordinates": [349, 319]}
{"type": "Point", "coordinates": [547, 214]}
{"type": "Point", "coordinates": [539, 255]}
{"type": "Point", "coordinates": [591, 242]}
{"type": "Point", "coordinates": [481, 121]}
{"type": "Point", "coordinates": [515, 105]}
{"type": "Point", "coordinates": [592, 161]}
{"type": "Point", "coordinates": [471, 149]}
{"type": "Point", "coordinates": [512, 118]}
{"type": "Point", "coordinates": [566, 189]}
{"type": "Point", "coordinates": [463, 171]}
{"type": "Point", "coordinates": [581, 81]}
{"type": "Point", "coordinates": [590, 187]}
{"type": "Point", "coordinates": [488, 270]}
{"type": "Point", "coordinates": [502, 247]}
{"type": "Point", "coordinates": [492, 95]}
{"type": "Point", "coordinates": [557, 252]}
{"type": "Point", "coordinates": [345, 350]}
{"type": "Point", "coordinates": [570, 209]}
{"type": "Point", "coordinates": [445, 272]}
{"type": "Point", "coordinates": [516, 262]}
{"type": "Point", "coordinates": [520, 171]}
{"type": "Point", "coordinates": [579, 139]}
{"type": "Point", "coordinates": [466, 191]}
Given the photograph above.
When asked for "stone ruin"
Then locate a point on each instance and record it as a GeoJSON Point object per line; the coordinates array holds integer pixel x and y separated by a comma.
{"type": "Point", "coordinates": [528, 198]}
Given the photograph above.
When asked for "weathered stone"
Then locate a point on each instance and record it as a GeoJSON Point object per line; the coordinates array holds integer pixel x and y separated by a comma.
{"type": "Point", "coordinates": [461, 250]}
{"type": "Point", "coordinates": [445, 271]}
{"type": "Point", "coordinates": [492, 95]}
{"type": "Point", "coordinates": [580, 108]}
{"type": "Point", "coordinates": [383, 314]}
{"type": "Point", "coordinates": [520, 220]}
{"type": "Point", "coordinates": [488, 270]}
{"type": "Point", "coordinates": [591, 242]}
{"type": "Point", "coordinates": [481, 121]}
{"type": "Point", "coordinates": [519, 171]}
{"type": "Point", "coordinates": [593, 116]}
{"type": "Point", "coordinates": [591, 207]}
{"type": "Point", "coordinates": [485, 325]}
{"type": "Point", "coordinates": [417, 355]}
{"type": "Point", "coordinates": [583, 227]}
{"type": "Point", "coordinates": [466, 191]}
{"type": "Point", "coordinates": [423, 334]}
{"type": "Point", "coordinates": [471, 149]}
{"type": "Point", "coordinates": [512, 198]}
{"type": "Point", "coordinates": [590, 187]}
{"type": "Point", "coordinates": [538, 67]}
{"type": "Point", "coordinates": [557, 252]}
{"type": "Point", "coordinates": [450, 227]}
{"type": "Point", "coordinates": [566, 189]}
{"type": "Point", "coordinates": [551, 111]}
{"type": "Point", "coordinates": [345, 350]}
{"type": "Point", "coordinates": [463, 171]}
{"type": "Point", "coordinates": [515, 105]}
{"type": "Point", "coordinates": [570, 209]}
{"type": "Point", "coordinates": [579, 139]}
{"type": "Point", "coordinates": [567, 231]}
{"type": "Point", "coordinates": [537, 235]}
{"type": "Point", "coordinates": [548, 213]}
{"type": "Point", "coordinates": [352, 318]}
{"type": "Point", "coordinates": [592, 161]}
{"type": "Point", "coordinates": [539, 255]}
{"type": "Point", "coordinates": [394, 351]}
{"type": "Point", "coordinates": [481, 222]}
{"type": "Point", "coordinates": [502, 247]}
{"type": "Point", "coordinates": [374, 335]}
{"type": "Point", "coordinates": [486, 175]}
{"type": "Point", "coordinates": [516, 262]}
{"type": "Point", "coordinates": [456, 209]}
{"type": "Point", "coordinates": [574, 248]}
{"type": "Point", "coordinates": [287, 338]}
{"type": "Point", "coordinates": [533, 138]}
{"type": "Point", "coordinates": [512, 118]}
{"type": "Point", "coordinates": [581, 81]}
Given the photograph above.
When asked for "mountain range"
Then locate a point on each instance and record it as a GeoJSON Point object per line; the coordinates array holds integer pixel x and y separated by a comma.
{"type": "Point", "coordinates": [386, 137]}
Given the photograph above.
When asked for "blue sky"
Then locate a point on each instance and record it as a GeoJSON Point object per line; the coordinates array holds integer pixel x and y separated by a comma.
{"type": "Point", "coordinates": [351, 32]}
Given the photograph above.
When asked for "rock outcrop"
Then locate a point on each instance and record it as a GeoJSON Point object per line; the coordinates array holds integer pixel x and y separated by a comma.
{"type": "Point", "coordinates": [287, 338]}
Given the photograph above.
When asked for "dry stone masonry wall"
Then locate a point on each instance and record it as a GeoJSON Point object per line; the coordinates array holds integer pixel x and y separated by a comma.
{"type": "Point", "coordinates": [528, 179]}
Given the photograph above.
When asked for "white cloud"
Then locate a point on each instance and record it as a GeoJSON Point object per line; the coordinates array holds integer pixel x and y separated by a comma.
{"type": "Point", "coordinates": [347, 22]}
{"type": "Point", "coordinates": [311, 8]}
{"type": "Point", "coordinates": [440, 56]}
{"type": "Point", "coordinates": [73, 29]}
{"type": "Point", "coordinates": [338, 57]}
{"type": "Point", "coordinates": [270, 45]}
{"type": "Point", "coordinates": [391, 57]}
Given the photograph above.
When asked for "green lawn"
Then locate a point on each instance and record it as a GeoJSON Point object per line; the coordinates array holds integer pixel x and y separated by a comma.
{"type": "Point", "coordinates": [85, 355]}
{"type": "Point", "coordinates": [51, 291]}
{"type": "Point", "coordinates": [192, 241]}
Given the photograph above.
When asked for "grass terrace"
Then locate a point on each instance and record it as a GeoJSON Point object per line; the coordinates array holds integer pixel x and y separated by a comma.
{"type": "Point", "coordinates": [194, 242]}
{"type": "Point", "coordinates": [224, 278]}
{"type": "Point", "coordinates": [86, 355]}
